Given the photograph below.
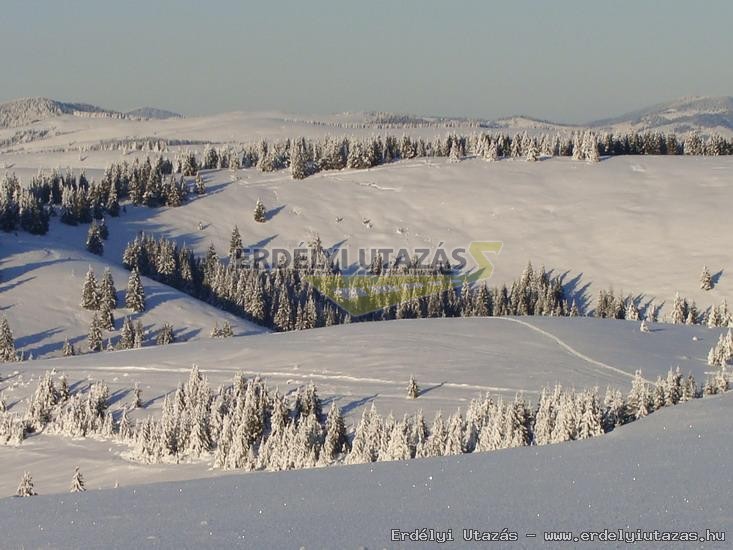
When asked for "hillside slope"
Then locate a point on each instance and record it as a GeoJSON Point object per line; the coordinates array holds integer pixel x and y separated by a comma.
{"type": "Point", "coordinates": [41, 280]}
{"type": "Point", "coordinates": [669, 471]}
{"type": "Point", "coordinates": [353, 366]}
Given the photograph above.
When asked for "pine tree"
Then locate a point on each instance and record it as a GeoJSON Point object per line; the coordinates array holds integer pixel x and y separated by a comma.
{"type": "Point", "coordinates": [68, 349]}
{"type": "Point", "coordinates": [107, 290]}
{"type": "Point", "coordinates": [706, 280]}
{"type": "Point", "coordinates": [106, 319]}
{"type": "Point", "coordinates": [413, 391]}
{"type": "Point", "coordinates": [678, 310]}
{"type": "Point", "coordinates": [298, 161]}
{"type": "Point", "coordinates": [137, 396]}
{"type": "Point", "coordinates": [165, 336]}
{"type": "Point", "coordinates": [135, 296]}
{"type": "Point", "coordinates": [7, 343]}
{"type": "Point", "coordinates": [95, 334]}
{"type": "Point", "coordinates": [200, 186]}
{"type": "Point", "coordinates": [491, 153]}
{"type": "Point", "coordinates": [226, 330]}
{"type": "Point", "coordinates": [139, 336]}
{"type": "Point", "coordinates": [77, 482]}
{"type": "Point", "coordinates": [235, 245]}
{"type": "Point", "coordinates": [25, 489]}
{"type": "Point", "coordinates": [260, 214]}
{"type": "Point", "coordinates": [127, 335]}
{"type": "Point", "coordinates": [335, 439]}
{"type": "Point", "coordinates": [90, 292]}
{"type": "Point", "coordinates": [94, 243]}
{"type": "Point", "coordinates": [533, 154]}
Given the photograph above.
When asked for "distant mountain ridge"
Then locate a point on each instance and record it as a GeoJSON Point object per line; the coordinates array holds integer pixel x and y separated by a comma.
{"type": "Point", "coordinates": [21, 112]}
{"type": "Point", "coordinates": [706, 115]}
{"type": "Point", "coordinates": [680, 115]}
{"type": "Point", "coordinates": [152, 113]}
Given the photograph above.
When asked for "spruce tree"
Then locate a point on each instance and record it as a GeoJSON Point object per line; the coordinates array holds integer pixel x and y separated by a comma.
{"type": "Point", "coordinates": [226, 330]}
{"type": "Point", "coordinates": [77, 482]}
{"type": "Point", "coordinates": [413, 391]}
{"type": "Point", "coordinates": [90, 292]}
{"type": "Point", "coordinates": [165, 336]}
{"type": "Point", "coordinates": [298, 161]}
{"type": "Point", "coordinates": [94, 242]}
{"type": "Point", "coordinates": [25, 489]}
{"type": "Point", "coordinates": [235, 245]}
{"type": "Point", "coordinates": [260, 215]}
{"type": "Point", "coordinates": [139, 335]}
{"type": "Point", "coordinates": [107, 290]}
{"type": "Point", "coordinates": [106, 319]}
{"type": "Point", "coordinates": [135, 296]}
{"type": "Point", "coordinates": [127, 335]}
{"type": "Point", "coordinates": [200, 186]}
{"type": "Point", "coordinates": [706, 280]}
{"type": "Point", "coordinates": [68, 349]}
{"type": "Point", "coordinates": [94, 338]}
{"type": "Point", "coordinates": [7, 343]}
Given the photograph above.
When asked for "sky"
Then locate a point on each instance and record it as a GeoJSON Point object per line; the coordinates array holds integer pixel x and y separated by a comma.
{"type": "Point", "coordinates": [567, 60]}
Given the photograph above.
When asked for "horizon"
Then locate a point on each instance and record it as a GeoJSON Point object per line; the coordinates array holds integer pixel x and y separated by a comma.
{"type": "Point", "coordinates": [481, 61]}
{"type": "Point", "coordinates": [416, 114]}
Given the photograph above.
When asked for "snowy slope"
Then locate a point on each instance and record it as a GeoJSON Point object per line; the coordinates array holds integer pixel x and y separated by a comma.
{"type": "Point", "coordinates": [644, 225]}
{"type": "Point", "coordinates": [454, 360]}
{"type": "Point", "coordinates": [669, 471]}
{"type": "Point", "coordinates": [41, 279]}
{"type": "Point", "coordinates": [705, 114]}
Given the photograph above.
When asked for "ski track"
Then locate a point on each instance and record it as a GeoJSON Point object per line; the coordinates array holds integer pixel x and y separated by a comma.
{"type": "Point", "coordinates": [314, 375]}
{"type": "Point", "coordinates": [567, 347]}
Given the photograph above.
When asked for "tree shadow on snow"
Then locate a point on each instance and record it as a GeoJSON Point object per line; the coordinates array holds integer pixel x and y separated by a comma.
{"type": "Point", "coordinates": [423, 391]}
{"type": "Point", "coordinates": [23, 342]}
{"type": "Point", "coordinates": [358, 403]}
{"type": "Point", "coordinates": [272, 212]}
{"type": "Point", "coordinates": [715, 278]}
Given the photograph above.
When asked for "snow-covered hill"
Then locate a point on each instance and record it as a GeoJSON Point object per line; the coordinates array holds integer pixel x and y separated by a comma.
{"type": "Point", "coordinates": [40, 290]}
{"type": "Point", "coordinates": [152, 112]}
{"type": "Point", "coordinates": [49, 125]}
{"type": "Point", "coordinates": [22, 112]}
{"type": "Point", "coordinates": [644, 226]}
{"type": "Point", "coordinates": [668, 472]}
{"type": "Point", "coordinates": [454, 361]}
{"type": "Point", "coordinates": [703, 114]}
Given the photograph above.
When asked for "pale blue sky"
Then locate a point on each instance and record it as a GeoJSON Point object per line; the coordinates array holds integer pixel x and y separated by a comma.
{"type": "Point", "coordinates": [563, 60]}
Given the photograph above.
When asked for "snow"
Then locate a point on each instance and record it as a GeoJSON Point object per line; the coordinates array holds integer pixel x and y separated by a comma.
{"type": "Point", "coordinates": [41, 281]}
{"type": "Point", "coordinates": [453, 361]}
{"type": "Point", "coordinates": [644, 225]}
{"type": "Point", "coordinates": [669, 471]}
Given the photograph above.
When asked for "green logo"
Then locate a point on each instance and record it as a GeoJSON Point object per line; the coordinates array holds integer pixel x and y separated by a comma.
{"type": "Point", "coordinates": [361, 293]}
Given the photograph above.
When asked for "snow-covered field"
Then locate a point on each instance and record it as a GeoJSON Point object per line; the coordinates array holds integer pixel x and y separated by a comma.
{"type": "Point", "coordinates": [454, 361]}
{"type": "Point", "coordinates": [642, 225]}
{"type": "Point", "coordinates": [668, 472]}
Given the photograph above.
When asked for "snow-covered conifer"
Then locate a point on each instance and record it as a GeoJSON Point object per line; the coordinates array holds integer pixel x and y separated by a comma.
{"type": "Point", "coordinates": [235, 245]}
{"type": "Point", "coordinates": [77, 482]}
{"type": "Point", "coordinates": [7, 343]}
{"type": "Point", "coordinates": [413, 391]}
{"type": "Point", "coordinates": [706, 280]}
{"type": "Point", "coordinates": [260, 214]}
{"type": "Point", "coordinates": [135, 295]}
{"type": "Point", "coordinates": [25, 489]}
{"type": "Point", "coordinates": [165, 336]}
{"type": "Point", "coordinates": [94, 338]}
{"type": "Point", "coordinates": [94, 243]}
{"type": "Point", "coordinates": [139, 335]}
{"type": "Point", "coordinates": [90, 292]}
